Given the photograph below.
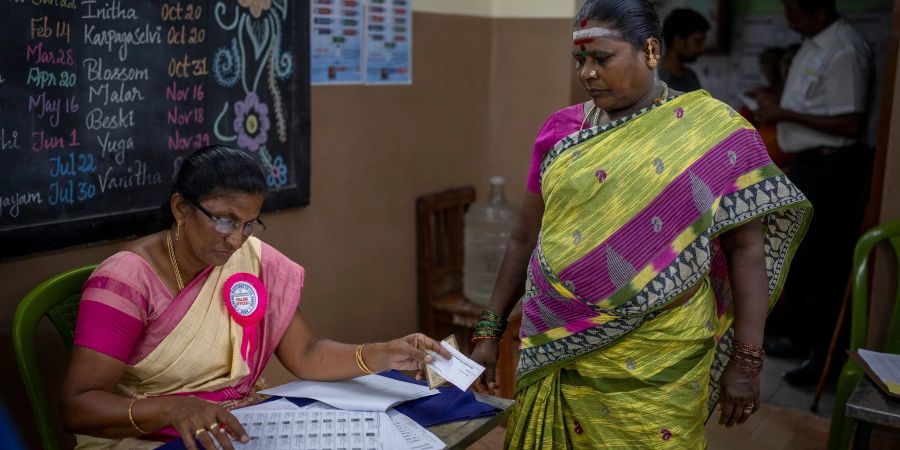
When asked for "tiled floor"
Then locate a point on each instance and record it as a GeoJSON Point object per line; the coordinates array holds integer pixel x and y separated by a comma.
{"type": "Point", "coordinates": [784, 422]}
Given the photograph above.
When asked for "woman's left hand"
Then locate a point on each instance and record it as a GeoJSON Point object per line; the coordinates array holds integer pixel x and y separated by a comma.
{"type": "Point", "coordinates": [406, 353]}
{"type": "Point", "coordinates": [739, 398]}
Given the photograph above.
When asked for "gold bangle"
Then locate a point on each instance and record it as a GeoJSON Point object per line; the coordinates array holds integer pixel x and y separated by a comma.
{"type": "Point", "coordinates": [359, 360]}
{"type": "Point", "coordinates": [131, 417]}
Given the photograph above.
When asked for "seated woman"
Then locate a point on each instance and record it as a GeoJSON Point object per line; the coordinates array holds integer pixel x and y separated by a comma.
{"type": "Point", "coordinates": [174, 330]}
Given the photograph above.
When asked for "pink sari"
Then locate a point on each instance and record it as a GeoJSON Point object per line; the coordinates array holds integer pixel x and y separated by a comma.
{"type": "Point", "coordinates": [186, 345]}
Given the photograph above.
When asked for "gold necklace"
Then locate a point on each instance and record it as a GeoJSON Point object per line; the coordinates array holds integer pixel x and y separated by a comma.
{"type": "Point", "coordinates": [174, 261]}
{"type": "Point", "coordinates": [665, 94]}
{"type": "Point", "coordinates": [596, 113]}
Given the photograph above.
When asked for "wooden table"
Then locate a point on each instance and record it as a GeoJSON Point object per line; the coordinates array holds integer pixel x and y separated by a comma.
{"type": "Point", "coordinates": [462, 434]}
{"type": "Point", "coordinates": [870, 404]}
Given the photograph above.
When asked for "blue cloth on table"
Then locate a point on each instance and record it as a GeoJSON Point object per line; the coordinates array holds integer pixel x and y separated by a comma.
{"type": "Point", "coordinates": [450, 405]}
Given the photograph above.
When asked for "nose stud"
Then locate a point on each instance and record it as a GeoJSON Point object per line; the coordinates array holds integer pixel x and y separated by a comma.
{"type": "Point", "coordinates": [593, 74]}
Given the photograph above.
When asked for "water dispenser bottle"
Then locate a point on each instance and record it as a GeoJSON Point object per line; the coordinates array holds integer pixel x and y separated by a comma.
{"type": "Point", "coordinates": [487, 228]}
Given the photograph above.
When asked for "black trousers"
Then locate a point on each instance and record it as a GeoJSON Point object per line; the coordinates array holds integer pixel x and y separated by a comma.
{"type": "Point", "coordinates": [837, 186]}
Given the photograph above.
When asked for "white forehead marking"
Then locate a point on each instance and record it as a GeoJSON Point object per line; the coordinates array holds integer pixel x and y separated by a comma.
{"type": "Point", "coordinates": [593, 32]}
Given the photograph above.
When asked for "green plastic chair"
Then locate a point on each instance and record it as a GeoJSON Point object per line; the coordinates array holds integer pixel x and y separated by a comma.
{"type": "Point", "coordinates": [841, 432]}
{"type": "Point", "coordinates": [58, 299]}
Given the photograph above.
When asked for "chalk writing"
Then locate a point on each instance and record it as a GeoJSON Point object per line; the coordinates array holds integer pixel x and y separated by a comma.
{"type": "Point", "coordinates": [96, 72]}
{"type": "Point", "coordinates": [97, 119]}
{"type": "Point", "coordinates": [115, 147]}
{"type": "Point", "coordinates": [37, 53]}
{"type": "Point", "coordinates": [9, 140]}
{"type": "Point", "coordinates": [185, 67]}
{"type": "Point", "coordinates": [41, 27]}
{"type": "Point", "coordinates": [109, 11]}
{"type": "Point", "coordinates": [118, 94]}
{"type": "Point", "coordinates": [122, 39]}
{"type": "Point", "coordinates": [67, 4]}
{"type": "Point", "coordinates": [41, 78]}
{"type": "Point", "coordinates": [135, 174]}
{"type": "Point", "coordinates": [12, 202]}
{"type": "Point", "coordinates": [72, 164]}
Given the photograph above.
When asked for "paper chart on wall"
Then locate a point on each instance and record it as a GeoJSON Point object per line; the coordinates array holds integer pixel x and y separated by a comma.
{"type": "Point", "coordinates": [335, 37]}
{"type": "Point", "coordinates": [388, 38]}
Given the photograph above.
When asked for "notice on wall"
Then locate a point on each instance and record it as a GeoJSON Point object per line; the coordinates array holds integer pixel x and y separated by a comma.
{"type": "Point", "coordinates": [335, 35]}
{"type": "Point", "coordinates": [388, 38]}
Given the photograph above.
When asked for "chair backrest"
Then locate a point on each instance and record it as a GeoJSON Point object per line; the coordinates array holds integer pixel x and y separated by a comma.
{"type": "Point", "coordinates": [439, 249]}
{"type": "Point", "coordinates": [58, 299]}
{"type": "Point", "coordinates": [889, 231]}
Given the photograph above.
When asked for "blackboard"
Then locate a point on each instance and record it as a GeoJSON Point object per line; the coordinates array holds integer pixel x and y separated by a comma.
{"type": "Point", "coordinates": [100, 100]}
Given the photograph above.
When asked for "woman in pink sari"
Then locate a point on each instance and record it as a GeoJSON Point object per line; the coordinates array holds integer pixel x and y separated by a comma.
{"type": "Point", "coordinates": [174, 330]}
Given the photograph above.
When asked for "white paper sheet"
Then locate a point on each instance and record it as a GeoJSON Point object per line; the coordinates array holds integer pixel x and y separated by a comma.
{"type": "Point", "coordinates": [275, 405]}
{"type": "Point", "coordinates": [458, 370]}
{"type": "Point", "coordinates": [886, 366]}
{"type": "Point", "coordinates": [312, 429]}
{"type": "Point", "coordinates": [407, 433]}
{"type": "Point", "coordinates": [366, 393]}
{"type": "Point", "coordinates": [413, 435]}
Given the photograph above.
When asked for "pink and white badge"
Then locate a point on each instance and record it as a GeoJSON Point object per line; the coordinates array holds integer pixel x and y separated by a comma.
{"type": "Point", "coordinates": [246, 299]}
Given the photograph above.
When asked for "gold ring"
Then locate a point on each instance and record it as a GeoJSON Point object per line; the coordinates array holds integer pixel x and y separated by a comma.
{"type": "Point", "coordinates": [213, 426]}
{"type": "Point", "coordinates": [199, 430]}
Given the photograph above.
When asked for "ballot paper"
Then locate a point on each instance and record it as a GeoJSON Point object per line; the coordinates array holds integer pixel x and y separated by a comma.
{"type": "Point", "coordinates": [312, 429]}
{"type": "Point", "coordinates": [366, 393]}
{"type": "Point", "coordinates": [408, 433]}
{"type": "Point", "coordinates": [274, 405]}
{"type": "Point", "coordinates": [412, 435]}
{"type": "Point", "coordinates": [458, 370]}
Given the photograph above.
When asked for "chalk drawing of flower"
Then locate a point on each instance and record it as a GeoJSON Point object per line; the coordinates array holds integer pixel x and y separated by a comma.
{"type": "Point", "coordinates": [277, 176]}
{"type": "Point", "coordinates": [251, 122]}
{"type": "Point", "coordinates": [256, 6]}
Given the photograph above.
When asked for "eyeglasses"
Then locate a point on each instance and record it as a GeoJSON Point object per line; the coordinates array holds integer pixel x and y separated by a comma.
{"type": "Point", "coordinates": [226, 226]}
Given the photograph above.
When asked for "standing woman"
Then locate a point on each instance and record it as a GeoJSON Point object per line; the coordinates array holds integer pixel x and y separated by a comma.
{"type": "Point", "coordinates": [175, 330]}
{"type": "Point", "coordinates": [655, 235]}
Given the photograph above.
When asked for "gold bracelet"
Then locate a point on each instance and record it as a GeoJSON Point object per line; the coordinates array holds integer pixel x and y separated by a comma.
{"type": "Point", "coordinates": [131, 417]}
{"type": "Point", "coordinates": [359, 360]}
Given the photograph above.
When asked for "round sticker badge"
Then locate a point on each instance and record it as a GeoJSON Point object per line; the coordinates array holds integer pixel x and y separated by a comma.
{"type": "Point", "coordinates": [246, 299]}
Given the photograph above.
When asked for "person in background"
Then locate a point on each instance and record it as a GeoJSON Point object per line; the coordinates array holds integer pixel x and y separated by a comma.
{"type": "Point", "coordinates": [821, 118]}
{"type": "Point", "coordinates": [175, 330]}
{"type": "Point", "coordinates": [786, 59]}
{"type": "Point", "coordinates": [639, 255]}
{"type": "Point", "coordinates": [770, 64]}
{"type": "Point", "coordinates": [684, 35]}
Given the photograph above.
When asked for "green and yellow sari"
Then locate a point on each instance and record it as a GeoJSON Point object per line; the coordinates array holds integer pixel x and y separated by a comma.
{"type": "Point", "coordinates": [633, 213]}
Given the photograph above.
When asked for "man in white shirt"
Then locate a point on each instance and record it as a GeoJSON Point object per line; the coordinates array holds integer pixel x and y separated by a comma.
{"type": "Point", "coordinates": [821, 118]}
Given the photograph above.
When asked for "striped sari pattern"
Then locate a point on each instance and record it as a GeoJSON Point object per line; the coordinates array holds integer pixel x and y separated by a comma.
{"type": "Point", "coordinates": [633, 213]}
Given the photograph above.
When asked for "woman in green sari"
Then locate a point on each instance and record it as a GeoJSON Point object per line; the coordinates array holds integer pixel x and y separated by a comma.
{"type": "Point", "coordinates": [655, 235]}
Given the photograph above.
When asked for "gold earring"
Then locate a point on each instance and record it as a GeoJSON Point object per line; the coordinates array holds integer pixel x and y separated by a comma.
{"type": "Point", "coordinates": [177, 229]}
{"type": "Point", "coordinates": [652, 61]}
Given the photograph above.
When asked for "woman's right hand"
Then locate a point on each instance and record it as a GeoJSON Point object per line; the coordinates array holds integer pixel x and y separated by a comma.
{"type": "Point", "coordinates": [199, 420]}
{"type": "Point", "coordinates": [485, 353]}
